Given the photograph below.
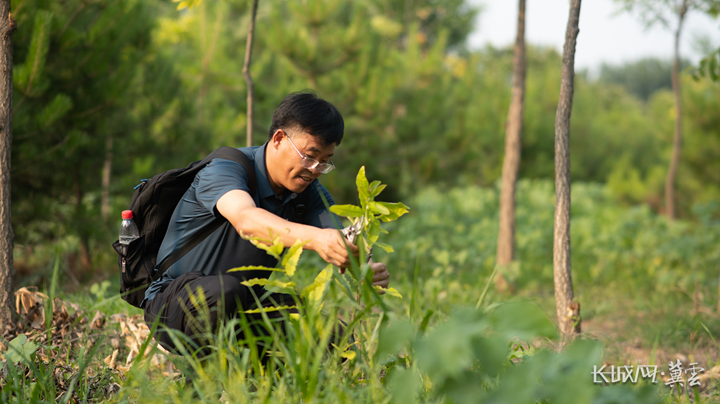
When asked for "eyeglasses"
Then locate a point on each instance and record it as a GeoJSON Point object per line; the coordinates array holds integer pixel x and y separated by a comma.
{"type": "Point", "coordinates": [312, 164]}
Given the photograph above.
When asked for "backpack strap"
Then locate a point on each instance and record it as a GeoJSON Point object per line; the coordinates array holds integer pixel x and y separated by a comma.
{"type": "Point", "coordinates": [227, 153]}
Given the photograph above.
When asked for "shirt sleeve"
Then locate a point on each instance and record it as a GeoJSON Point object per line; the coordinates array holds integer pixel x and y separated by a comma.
{"type": "Point", "coordinates": [218, 178]}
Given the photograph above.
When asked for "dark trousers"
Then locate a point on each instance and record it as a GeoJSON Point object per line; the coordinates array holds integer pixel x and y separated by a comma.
{"type": "Point", "coordinates": [179, 308]}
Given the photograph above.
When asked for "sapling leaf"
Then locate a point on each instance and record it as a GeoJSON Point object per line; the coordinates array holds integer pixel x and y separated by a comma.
{"type": "Point", "coordinates": [351, 211]}
{"type": "Point", "coordinates": [396, 210]}
{"type": "Point", "coordinates": [376, 188]}
{"type": "Point", "coordinates": [363, 187]}
{"type": "Point", "coordinates": [378, 208]}
{"type": "Point", "coordinates": [387, 247]}
{"type": "Point", "coordinates": [373, 231]}
{"type": "Point", "coordinates": [390, 291]}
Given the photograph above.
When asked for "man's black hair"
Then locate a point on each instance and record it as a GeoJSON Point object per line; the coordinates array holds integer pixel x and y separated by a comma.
{"type": "Point", "coordinates": [304, 110]}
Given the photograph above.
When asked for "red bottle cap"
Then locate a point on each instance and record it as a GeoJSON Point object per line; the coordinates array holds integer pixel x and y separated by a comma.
{"type": "Point", "coordinates": [127, 214]}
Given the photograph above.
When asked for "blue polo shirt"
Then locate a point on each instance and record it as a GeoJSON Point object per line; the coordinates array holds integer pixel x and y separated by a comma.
{"type": "Point", "coordinates": [221, 250]}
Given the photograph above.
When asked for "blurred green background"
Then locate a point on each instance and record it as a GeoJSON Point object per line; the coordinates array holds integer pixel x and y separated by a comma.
{"type": "Point", "coordinates": [138, 87]}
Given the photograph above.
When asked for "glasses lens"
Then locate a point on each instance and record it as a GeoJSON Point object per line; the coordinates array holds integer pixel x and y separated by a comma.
{"type": "Point", "coordinates": [325, 168]}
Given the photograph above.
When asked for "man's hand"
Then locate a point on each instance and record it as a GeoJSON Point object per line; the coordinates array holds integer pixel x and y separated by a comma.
{"type": "Point", "coordinates": [381, 276]}
{"type": "Point", "coordinates": [330, 244]}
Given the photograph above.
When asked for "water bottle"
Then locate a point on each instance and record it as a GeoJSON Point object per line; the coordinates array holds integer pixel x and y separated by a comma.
{"type": "Point", "coordinates": [128, 230]}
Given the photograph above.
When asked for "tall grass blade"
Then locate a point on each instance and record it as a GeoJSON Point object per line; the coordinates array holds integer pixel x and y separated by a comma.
{"type": "Point", "coordinates": [487, 287]}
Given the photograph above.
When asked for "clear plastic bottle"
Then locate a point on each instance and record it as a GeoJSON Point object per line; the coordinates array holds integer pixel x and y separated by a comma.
{"type": "Point", "coordinates": [128, 229]}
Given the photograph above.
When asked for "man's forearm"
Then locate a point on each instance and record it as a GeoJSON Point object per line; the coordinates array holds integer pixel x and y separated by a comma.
{"type": "Point", "coordinates": [257, 222]}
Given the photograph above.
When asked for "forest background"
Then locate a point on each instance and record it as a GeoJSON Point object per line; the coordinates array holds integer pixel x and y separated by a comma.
{"type": "Point", "coordinates": [108, 93]}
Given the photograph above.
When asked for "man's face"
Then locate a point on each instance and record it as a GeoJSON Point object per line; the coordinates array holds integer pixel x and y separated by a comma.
{"type": "Point", "coordinates": [285, 163]}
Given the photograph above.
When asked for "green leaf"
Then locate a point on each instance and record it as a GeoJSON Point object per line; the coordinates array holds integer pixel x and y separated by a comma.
{"type": "Point", "coordinates": [269, 309]}
{"type": "Point", "coordinates": [316, 290]}
{"type": "Point", "coordinates": [255, 268]}
{"type": "Point", "coordinates": [378, 208]}
{"type": "Point", "coordinates": [268, 282]}
{"type": "Point", "coordinates": [20, 350]}
{"type": "Point", "coordinates": [396, 210]}
{"type": "Point", "coordinates": [390, 291]}
{"type": "Point", "coordinates": [404, 385]}
{"type": "Point", "coordinates": [522, 320]}
{"type": "Point", "coordinates": [292, 256]}
{"type": "Point", "coordinates": [376, 188]}
{"type": "Point", "coordinates": [275, 249]}
{"type": "Point", "coordinates": [387, 247]}
{"type": "Point", "coordinates": [394, 335]}
{"type": "Point", "coordinates": [373, 231]}
{"type": "Point", "coordinates": [351, 211]}
{"type": "Point", "coordinates": [363, 187]}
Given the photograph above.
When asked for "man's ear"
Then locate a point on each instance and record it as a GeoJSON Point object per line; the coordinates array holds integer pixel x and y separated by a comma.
{"type": "Point", "coordinates": [277, 137]}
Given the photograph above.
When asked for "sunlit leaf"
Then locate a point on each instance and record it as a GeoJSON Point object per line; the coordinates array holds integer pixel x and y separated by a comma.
{"type": "Point", "coordinates": [390, 291]}
{"type": "Point", "coordinates": [347, 210]}
{"type": "Point", "coordinates": [268, 282]}
{"type": "Point", "coordinates": [269, 309]}
{"type": "Point", "coordinates": [387, 247]}
{"type": "Point", "coordinates": [396, 210]}
{"type": "Point", "coordinates": [255, 268]}
{"type": "Point", "coordinates": [316, 290]}
{"type": "Point", "coordinates": [378, 208]}
{"type": "Point", "coordinates": [376, 188]}
{"type": "Point", "coordinates": [292, 256]}
{"type": "Point", "coordinates": [275, 249]}
{"type": "Point", "coordinates": [363, 187]}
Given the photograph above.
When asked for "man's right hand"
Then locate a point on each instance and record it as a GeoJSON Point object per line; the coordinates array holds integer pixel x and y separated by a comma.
{"type": "Point", "coordinates": [330, 244]}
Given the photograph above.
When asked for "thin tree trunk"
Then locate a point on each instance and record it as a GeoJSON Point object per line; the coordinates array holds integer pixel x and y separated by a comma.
{"type": "Point", "coordinates": [677, 138]}
{"type": "Point", "coordinates": [107, 166]}
{"type": "Point", "coordinates": [7, 271]}
{"type": "Point", "coordinates": [511, 163]}
{"type": "Point", "coordinates": [561, 249]}
{"type": "Point", "coordinates": [246, 72]}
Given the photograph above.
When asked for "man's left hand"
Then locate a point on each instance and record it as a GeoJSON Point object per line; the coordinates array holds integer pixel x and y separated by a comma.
{"type": "Point", "coordinates": [381, 276]}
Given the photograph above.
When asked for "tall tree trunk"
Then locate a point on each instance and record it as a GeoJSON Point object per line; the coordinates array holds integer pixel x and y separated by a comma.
{"type": "Point", "coordinates": [561, 247]}
{"type": "Point", "coordinates": [7, 271]}
{"type": "Point", "coordinates": [511, 163]}
{"type": "Point", "coordinates": [246, 72]}
{"type": "Point", "coordinates": [677, 138]}
{"type": "Point", "coordinates": [107, 167]}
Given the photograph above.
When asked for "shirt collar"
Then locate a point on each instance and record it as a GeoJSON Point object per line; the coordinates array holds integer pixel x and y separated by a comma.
{"type": "Point", "coordinates": [263, 180]}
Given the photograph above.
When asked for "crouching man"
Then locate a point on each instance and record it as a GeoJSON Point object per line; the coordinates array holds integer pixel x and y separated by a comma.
{"type": "Point", "coordinates": [285, 201]}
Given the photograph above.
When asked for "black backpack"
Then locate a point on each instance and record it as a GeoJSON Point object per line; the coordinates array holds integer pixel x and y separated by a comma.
{"type": "Point", "coordinates": [153, 204]}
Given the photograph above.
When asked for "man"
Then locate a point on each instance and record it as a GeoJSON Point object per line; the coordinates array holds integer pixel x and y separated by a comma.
{"type": "Point", "coordinates": [304, 133]}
